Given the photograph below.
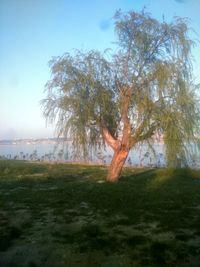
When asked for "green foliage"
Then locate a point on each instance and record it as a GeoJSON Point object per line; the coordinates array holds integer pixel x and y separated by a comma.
{"type": "Point", "coordinates": [80, 95]}
{"type": "Point", "coordinates": [146, 83]}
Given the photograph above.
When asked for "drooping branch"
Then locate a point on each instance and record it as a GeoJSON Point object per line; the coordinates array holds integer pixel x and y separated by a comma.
{"type": "Point", "coordinates": [142, 133]}
{"type": "Point", "coordinates": [148, 134]}
{"type": "Point", "coordinates": [138, 132]}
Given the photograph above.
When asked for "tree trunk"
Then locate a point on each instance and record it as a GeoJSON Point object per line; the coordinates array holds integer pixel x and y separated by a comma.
{"type": "Point", "coordinates": [117, 164]}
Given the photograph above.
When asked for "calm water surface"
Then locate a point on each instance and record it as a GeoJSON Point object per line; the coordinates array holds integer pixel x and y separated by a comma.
{"type": "Point", "coordinates": [141, 156]}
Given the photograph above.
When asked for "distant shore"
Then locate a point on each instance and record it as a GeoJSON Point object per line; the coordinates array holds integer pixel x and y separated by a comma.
{"type": "Point", "coordinates": [31, 141]}
{"type": "Point", "coordinates": [51, 140]}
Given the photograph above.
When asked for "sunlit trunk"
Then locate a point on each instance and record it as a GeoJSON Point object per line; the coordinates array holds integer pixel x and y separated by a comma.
{"type": "Point", "coordinates": [117, 164]}
{"type": "Point", "coordinates": [120, 146]}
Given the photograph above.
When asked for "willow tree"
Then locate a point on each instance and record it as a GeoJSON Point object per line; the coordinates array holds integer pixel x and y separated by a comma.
{"type": "Point", "coordinates": [125, 98]}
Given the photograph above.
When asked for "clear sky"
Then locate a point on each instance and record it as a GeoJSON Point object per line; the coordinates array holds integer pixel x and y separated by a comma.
{"type": "Point", "coordinates": [32, 31]}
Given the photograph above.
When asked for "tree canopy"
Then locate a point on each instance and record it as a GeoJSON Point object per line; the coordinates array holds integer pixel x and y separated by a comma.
{"type": "Point", "coordinates": [127, 96]}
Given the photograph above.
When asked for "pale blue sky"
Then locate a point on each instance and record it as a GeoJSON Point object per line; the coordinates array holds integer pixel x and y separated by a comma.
{"type": "Point", "coordinates": [32, 31]}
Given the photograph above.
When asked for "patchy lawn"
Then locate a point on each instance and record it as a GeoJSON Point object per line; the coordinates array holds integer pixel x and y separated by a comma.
{"type": "Point", "coordinates": [67, 215]}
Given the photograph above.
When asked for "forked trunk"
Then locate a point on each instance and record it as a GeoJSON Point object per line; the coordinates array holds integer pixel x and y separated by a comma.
{"type": "Point", "coordinates": [117, 164]}
{"type": "Point", "coordinates": [121, 146]}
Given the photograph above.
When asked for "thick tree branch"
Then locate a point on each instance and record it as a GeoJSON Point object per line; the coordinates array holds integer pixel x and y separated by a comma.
{"type": "Point", "coordinates": [109, 139]}
{"type": "Point", "coordinates": [126, 132]}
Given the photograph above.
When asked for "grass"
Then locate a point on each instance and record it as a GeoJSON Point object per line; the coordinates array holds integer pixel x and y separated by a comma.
{"type": "Point", "coordinates": [67, 215]}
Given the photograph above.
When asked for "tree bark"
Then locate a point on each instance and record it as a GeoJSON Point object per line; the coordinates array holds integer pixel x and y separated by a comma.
{"type": "Point", "coordinates": [119, 158]}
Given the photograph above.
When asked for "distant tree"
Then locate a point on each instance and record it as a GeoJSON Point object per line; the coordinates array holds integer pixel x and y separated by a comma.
{"type": "Point", "coordinates": [35, 155]}
{"type": "Point", "coordinates": [66, 154]}
{"type": "Point", "coordinates": [21, 154]}
{"type": "Point", "coordinates": [60, 154]}
{"type": "Point", "coordinates": [101, 157]}
{"type": "Point", "coordinates": [123, 99]}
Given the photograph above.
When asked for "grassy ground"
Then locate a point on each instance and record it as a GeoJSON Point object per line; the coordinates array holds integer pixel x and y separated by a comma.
{"type": "Point", "coordinates": [67, 215]}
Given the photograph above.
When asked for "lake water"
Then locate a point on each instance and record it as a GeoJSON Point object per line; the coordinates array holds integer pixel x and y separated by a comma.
{"type": "Point", "coordinates": [140, 156]}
